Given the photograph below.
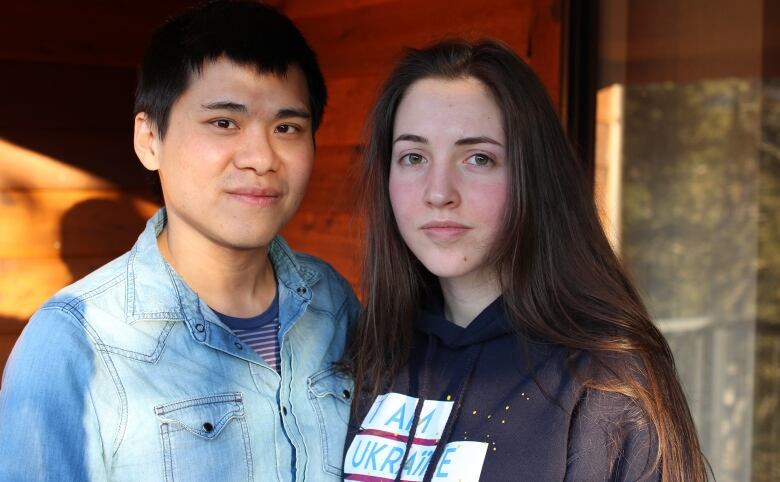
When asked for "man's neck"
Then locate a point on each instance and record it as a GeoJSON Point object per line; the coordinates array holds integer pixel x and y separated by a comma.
{"type": "Point", "coordinates": [239, 283]}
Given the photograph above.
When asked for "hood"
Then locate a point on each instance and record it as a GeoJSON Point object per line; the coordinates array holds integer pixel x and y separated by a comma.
{"type": "Point", "coordinates": [489, 324]}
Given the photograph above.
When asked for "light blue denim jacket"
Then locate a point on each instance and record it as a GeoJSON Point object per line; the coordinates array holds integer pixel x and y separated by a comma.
{"type": "Point", "coordinates": [128, 375]}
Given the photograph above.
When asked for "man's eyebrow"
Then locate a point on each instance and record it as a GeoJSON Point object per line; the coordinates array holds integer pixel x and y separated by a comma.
{"type": "Point", "coordinates": [225, 105]}
{"type": "Point", "coordinates": [412, 138]}
{"type": "Point", "coordinates": [292, 112]}
{"type": "Point", "coordinates": [466, 141]}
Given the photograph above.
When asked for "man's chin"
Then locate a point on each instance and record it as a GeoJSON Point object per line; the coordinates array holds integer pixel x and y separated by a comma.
{"type": "Point", "coordinates": [243, 240]}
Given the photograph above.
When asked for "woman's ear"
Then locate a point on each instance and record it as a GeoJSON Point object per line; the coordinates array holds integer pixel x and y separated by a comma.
{"type": "Point", "coordinates": [146, 141]}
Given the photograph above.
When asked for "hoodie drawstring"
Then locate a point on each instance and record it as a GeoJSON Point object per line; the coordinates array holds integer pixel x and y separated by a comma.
{"type": "Point", "coordinates": [420, 402]}
{"type": "Point", "coordinates": [471, 361]}
{"type": "Point", "coordinates": [472, 354]}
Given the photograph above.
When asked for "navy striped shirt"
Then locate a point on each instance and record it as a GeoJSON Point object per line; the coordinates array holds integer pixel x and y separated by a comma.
{"type": "Point", "coordinates": [261, 332]}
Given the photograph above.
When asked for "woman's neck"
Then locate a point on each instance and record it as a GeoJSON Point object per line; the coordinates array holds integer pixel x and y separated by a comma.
{"type": "Point", "coordinates": [467, 296]}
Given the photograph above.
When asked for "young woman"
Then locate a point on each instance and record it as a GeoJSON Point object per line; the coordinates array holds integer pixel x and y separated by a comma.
{"type": "Point", "coordinates": [501, 338]}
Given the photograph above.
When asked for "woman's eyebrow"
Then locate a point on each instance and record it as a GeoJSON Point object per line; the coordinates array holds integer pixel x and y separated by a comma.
{"type": "Point", "coordinates": [411, 137]}
{"type": "Point", "coordinates": [476, 140]}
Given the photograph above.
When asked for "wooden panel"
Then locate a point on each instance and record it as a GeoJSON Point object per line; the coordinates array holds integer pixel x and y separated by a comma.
{"type": "Point", "coordinates": [82, 32]}
{"type": "Point", "coordinates": [350, 100]}
{"type": "Point", "coordinates": [333, 180]}
{"type": "Point", "coordinates": [668, 40]}
{"type": "Point", "coordinates": [52, 223]}
{"type": "Point", "coordinates": [367, 41]}
{"type": "Point", "coordinates": [6, 344]}
{"type": "Point", "coordinates": [358, 47]}
{"type": "Point", "coordinates": [66, 97]}
{"type": "Point", "coordinates": [25, 283]}
{"type": "Point", "coordinates": [23, 168]}
{"type": "Point", "coordinates": [333, 237]}
{"type": "Point", "coordinates": [59, 159]}
{"type": "Point", "coordinates": [299, 9]}
{"type": "Point", "coordinates": [544, 49]}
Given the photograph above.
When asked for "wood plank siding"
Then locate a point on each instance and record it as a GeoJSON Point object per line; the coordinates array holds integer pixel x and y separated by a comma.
{"type": "Point", "coordinates": [73, 195]}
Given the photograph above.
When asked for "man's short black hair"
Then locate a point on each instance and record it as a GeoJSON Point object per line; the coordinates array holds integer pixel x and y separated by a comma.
{"type": "Point", "coordinates": [245, 32]}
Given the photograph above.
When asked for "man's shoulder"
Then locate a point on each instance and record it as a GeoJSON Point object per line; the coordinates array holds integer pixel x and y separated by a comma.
{"type": "Point", "coordinates": [328, 284]}
{"type": "Point", "coordinates": [105, 307]}
{"type": "Point", "coordinates": [91, 286]}
{"type": "Point", "coordinates": [313, 263]}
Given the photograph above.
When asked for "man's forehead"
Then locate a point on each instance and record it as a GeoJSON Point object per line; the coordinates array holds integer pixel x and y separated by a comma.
{"type": "Point", "coordinates": [224, 80]}
{"type": "Point", "coordinates": [225, 66]}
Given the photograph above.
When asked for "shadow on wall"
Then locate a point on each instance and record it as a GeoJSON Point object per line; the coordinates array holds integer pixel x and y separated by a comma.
{"type": "Point", "coordinates": [95, 231]}
{"type": "Point", "coordinates": [92, 233]}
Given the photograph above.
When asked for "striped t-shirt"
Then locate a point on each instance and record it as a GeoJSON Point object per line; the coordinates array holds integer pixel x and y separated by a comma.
{"type": "Point", "coordinates": [261, 332]}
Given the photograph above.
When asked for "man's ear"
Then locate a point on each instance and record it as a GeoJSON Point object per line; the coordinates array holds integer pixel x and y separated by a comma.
{"type": "Point", "coordinates": [146, 141]}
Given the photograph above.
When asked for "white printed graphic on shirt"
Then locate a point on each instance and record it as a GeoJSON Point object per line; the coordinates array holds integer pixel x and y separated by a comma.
{"type": "Point", "coordinates": [375, 453]}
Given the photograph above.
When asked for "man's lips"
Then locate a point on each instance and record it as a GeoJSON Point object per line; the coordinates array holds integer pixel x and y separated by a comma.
{"type": "Point", "coordinates": [256, 196]}
{"type": "Point", "coordinates": [444, 230]}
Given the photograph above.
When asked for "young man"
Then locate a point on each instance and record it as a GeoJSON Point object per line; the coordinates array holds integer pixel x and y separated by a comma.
{"type": "Point", "coordinates": [207, 351]}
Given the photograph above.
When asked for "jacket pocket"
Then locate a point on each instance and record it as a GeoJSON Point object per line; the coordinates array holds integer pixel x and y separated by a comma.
{"type": "Point", "coordinates": [205, 438]}
{"type": "Point", "coordinates": [330, 393]}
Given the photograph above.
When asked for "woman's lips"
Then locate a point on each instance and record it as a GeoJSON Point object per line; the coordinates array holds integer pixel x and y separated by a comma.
{"type": "Point", "coordinates": [444, 230]}
{"type": "Point", "coordinates": [260, 197]}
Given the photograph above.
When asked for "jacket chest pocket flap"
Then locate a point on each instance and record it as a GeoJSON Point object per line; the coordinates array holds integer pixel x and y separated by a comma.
{"type": "Point", "coordinates": [330, 393]}
{"type": "Point", "coordinates": [211, 428]}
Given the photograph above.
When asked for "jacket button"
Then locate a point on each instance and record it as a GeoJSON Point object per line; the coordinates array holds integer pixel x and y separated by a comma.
{"type": "Point", "coordinates": [346, 394]}
{"type": "Point", "coordinates": [200, 328]}
{"type": "Point", "coordinates": [208, 427]}
{"type": "Point", "coordinates": [239, 346]}
{"type": "Point", "coordinates": [301, 290]}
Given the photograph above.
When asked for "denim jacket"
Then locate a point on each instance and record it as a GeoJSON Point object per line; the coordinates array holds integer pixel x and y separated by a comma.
{"type": "Point", "coordinates": [128, 375]}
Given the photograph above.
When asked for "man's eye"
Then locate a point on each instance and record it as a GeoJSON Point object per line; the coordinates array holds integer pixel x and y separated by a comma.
{"type": "Point", "coordinates": [412, 159]}
{"type": "Point", "coordinates": [285, 129]}
{"type": "Point", "coordinates": [224, 124]}
{"type": "Point", "coordinates": [479, 160]}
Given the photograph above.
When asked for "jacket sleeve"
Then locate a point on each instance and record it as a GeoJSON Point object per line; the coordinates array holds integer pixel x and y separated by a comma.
{"type": "Point", "coordinates": [610, 440]}
{"type": "Point", "coordinates": [49, 429]}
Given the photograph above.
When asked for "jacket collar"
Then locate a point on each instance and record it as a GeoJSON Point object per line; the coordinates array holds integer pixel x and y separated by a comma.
{"type": "Point", "coordinates": [156, 292]}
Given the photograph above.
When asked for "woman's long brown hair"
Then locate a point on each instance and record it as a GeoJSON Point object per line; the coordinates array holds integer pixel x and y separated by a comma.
{"type": "Point", "coordinates": [560, 279]}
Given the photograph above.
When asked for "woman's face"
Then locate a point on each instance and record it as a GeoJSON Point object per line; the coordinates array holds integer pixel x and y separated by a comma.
{"type": "Point", "coordinates": [448, 175]}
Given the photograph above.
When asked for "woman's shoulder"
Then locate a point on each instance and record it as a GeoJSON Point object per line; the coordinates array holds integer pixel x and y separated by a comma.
{"type": "Point", "coordinates": [610, 433]}
{"type": "Point", "coordinates": [610, 438]}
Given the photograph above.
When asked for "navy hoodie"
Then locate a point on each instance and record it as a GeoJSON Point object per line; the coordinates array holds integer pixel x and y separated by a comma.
{"type": "Point", "coordinates": [483, 404]}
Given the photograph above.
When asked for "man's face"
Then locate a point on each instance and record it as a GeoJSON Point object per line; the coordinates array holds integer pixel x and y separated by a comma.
{"type": "Point", "coordinates": [236, 156]}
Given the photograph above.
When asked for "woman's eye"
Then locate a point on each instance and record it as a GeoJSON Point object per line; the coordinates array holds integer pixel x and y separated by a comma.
{"type": "Point", "coordinates": [285, 129]}
{"type": "Point", "coordinates": [224, 124]}
{"type": "Point", "coordinates": [412, 159]}
{"type": "Point", "coordinates": [479, 160]}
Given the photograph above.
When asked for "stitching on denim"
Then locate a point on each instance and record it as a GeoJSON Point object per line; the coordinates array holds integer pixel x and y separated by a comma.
{"type": "Point", "coordinates": [173, 277]}
{"type": "Point", "coordinates": [95, 411]}
{"type": "Point", "coordinates": [148, 358]}
{"type": "Point", "coordinates": [321, 311]}
{"type": "Point", "coordinates": [165, 441]}
{"type": "Point", "coordinates": [76, 300]}
{"type": "Point", "coordinates": [160, 315]}
{"type": "Point", "coordinates": [78, 316]}
{"type": "Point", "coordinates": [314, 400]}
{"type": "Point", "coordinates": [167, 408]}
{"type": "Point", "coordinates": [343, 308]}
{"type": "Point", "coordinates": [250, 470]}
{"type": "Point", "coordinates": [338, 314]}
{"type": "Point", "coordinates": [73, 305]}
{"type": "Point", "coordinates": [166, 430]}
{"type": "Point", "coordinates": [130, 288]}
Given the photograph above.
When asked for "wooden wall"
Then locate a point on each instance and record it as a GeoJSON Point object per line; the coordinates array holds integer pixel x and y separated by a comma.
{"type": "Point", "coordinates": [358, 41]}
{"type": "Point", "coordinates": [72, 194]}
